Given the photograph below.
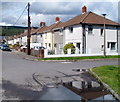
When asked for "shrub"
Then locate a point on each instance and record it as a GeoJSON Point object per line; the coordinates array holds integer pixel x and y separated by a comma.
{"type": "Point", "coordinates": [69, 46]}
{"type": "Point", "coordinates": [51, 52]}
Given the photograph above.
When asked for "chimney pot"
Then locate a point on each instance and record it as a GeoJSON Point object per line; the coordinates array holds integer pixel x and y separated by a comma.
{"type": "Point", "coordinates": [84, 9]}
{"type": "Point", "coordinates": [57, 19]}
{"type": "Point", "coordinates": [32, 27]}
{"type": "Point", "coordinates": [42, 24]}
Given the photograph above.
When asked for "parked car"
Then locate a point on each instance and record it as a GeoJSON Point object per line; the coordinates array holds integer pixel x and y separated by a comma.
{"type": "Point", "coordinates": [0, 46]}
{"type": "Point", "coordinates": [5, 47]}
{"type": "Point", "coordinates": [38, 48]}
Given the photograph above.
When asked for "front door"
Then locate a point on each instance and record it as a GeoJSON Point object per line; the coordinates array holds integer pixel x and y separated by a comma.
{"type": "Point", "coordinates": [78, 47]}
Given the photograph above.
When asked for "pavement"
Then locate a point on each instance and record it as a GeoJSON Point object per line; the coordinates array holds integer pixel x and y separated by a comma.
{"type": "Point", "coordinates": [33, 58]}
{"type": "Point", "coordinates": [25, 56]}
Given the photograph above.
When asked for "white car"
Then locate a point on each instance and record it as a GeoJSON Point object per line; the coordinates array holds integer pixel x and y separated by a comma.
{"type": "Point", "coordinates": [38, 48]}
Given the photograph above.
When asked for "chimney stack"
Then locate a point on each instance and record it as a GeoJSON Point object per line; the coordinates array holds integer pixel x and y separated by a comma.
{"type": "Point", "coordinates": [57, 19]}
{"type": "Point", "coordinates": [32, 27]}
{"type": "Point", "coordinates": [42, 24]}
{"type": "Point", "coordinates": [84, 9]}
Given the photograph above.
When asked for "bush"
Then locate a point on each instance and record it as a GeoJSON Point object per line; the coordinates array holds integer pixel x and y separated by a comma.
{"type": "Point", "coordinates": [69, 46]}
{"type": "Point", "coordinates": [51, 52]}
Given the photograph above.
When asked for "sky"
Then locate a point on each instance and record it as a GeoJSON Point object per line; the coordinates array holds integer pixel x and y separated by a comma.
{"type": "Point", "coordinates": [47, 11]}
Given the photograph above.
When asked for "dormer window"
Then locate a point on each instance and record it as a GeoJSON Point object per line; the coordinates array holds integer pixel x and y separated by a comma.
{"type": "Point", "coordinates": [90, 29]}
{"type": "Point", "coordinates": [71, 29]}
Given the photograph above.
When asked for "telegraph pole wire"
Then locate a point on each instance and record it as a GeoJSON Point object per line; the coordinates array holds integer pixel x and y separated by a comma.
{"type": "Point", "coordinates": [20, 15]}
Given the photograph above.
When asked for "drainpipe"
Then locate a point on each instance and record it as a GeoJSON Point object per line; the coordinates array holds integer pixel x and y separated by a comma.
{"type": "Point", "coordinates": [117, 40]}
{"type": "Point", "coordinates": [52, 40]}
{"type": "Point", "coordinates": [84, 39]}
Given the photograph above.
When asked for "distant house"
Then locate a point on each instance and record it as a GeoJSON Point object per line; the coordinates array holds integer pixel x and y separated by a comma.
{"type": "Point", "coordinates": [53, 37]}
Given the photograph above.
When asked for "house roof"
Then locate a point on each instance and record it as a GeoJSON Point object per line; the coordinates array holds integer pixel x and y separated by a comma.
{"type": "Point", "coordinates": [90, 18]}
{"type": "Point", "coordinates": [59, 25]}
{"type": "Point", "coordinates": [42, 29]}
{"type": "Point", "coordinates": [50, 28]}
{"type": "Point", "coordinates": [55, 26]}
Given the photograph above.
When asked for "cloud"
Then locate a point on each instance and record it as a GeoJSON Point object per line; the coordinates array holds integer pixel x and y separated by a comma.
{"type": "Point", "coordinates": [4, 24]}
{"type": "Point", "coordinates": [47, 11]}
{"type": "Point", "coordinates": [48, 8]}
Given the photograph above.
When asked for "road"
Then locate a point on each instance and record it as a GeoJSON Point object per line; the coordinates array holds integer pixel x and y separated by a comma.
{"type": "Point", "coordinates": [18, 71]}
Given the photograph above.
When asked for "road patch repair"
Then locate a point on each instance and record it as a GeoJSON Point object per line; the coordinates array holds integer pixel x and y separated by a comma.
{"type": "Point", "coordinates": [82, 84]}
{"type": "Point", "coordinates": [79, 84]}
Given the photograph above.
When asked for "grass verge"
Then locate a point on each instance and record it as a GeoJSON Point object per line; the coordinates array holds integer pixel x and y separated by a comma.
{"type": "Point", "coordinates": [80, 58]}
{"type": "Point", "coordinates": [109, 74]}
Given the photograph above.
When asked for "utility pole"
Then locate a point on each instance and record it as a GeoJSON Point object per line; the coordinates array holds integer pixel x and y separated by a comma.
{"type": "Point", "coordinates": [104, 36]}
{"type": "Point", "coordinates": [28, 35]}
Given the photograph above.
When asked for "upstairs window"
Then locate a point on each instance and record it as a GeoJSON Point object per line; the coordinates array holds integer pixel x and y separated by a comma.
{"type": "Point", "coordinates": [90, 30]}
{"type": "Point", "coordinates": [49, 45]}
{"type": "Point", "coordinates": [71, 29]}
{"type": "Point", "coordinates": [45, 36]}
{"type": "Point", "coordinates": [41, 35]}
{"type": "Point", "coordinates": [55, 45]}
{"type": "Point", "coordinates": [101, 32]}
{"type": "Point", "coordinates": [61, 30]}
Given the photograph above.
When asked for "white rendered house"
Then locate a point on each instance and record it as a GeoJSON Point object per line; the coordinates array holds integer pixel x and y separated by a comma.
{"type": "Point", "coordinates": [86, 32]}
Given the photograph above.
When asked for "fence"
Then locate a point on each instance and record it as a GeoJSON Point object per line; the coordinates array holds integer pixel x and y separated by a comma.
{"type": "Point", "coordinates": [48, 55]}
{"type": "Point", "coordinates": [37, 53]}
{"type": "Point", "coordinates": [51, 54]}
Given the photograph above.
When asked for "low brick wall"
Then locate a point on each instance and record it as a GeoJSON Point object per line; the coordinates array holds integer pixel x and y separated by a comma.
{"type": "Point", "coordinates": [37, 53]}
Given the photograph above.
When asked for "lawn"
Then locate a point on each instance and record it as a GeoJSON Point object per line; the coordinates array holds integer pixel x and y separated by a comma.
{"type": "Point", "coordinates": [80, 58]}
{"type": "Point", "coordinates": [109, 74]}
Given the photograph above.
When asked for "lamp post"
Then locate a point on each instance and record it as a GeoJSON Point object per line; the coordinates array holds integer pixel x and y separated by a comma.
{"type": "Point", "coordinates": [104, 35]}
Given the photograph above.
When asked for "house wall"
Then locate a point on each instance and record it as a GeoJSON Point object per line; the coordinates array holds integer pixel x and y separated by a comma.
{"type": "Point", "coordinates": [75, 37]}
{"type": "Point", "coordinates": [48, 40]}
{"type": "Point", "coordinates": [33, 38]}
{"type": "Point", "coordinates": [40, 39]}
{"type": "Point", "coordinates": [58, 42]}
{"type": "Point", "coordinates": [24, 40]}
{"type": "Point", "coordinates": [95, 41]}
{"type": "Point", "coordinates": [15, 41]}
{"type": "Point", "coordinates": [11, 42]}
{"type": "Point", "coordinates": [119, 40]}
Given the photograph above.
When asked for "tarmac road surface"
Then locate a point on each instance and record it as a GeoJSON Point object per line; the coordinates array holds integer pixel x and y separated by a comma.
{"type": "Point", "coordinates": [17, 73]}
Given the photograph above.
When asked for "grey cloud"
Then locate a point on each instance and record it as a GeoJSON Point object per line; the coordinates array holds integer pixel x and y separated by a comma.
{"type": "Point", "coordinates": [55, 8]}
{"type": "Point", "coordinates": [50, 10]}
{"type": "Point", "coordinates": [9, 19]}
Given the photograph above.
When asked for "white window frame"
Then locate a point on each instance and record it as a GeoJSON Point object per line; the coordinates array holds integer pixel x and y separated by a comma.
{"type": "Point", "coordinates": [71, 29]}
{"type": "Point", "coordinates": [90, 29]}
{"type": "Point", "coordinates": [109, 45]}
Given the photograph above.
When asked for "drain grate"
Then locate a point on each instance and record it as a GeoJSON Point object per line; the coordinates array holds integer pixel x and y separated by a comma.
{"type": "Point", "coordinates": [79, 70]}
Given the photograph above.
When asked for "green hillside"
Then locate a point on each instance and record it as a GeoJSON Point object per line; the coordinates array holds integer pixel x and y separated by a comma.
{"type": "Point", "coordinates": [12, 30]}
